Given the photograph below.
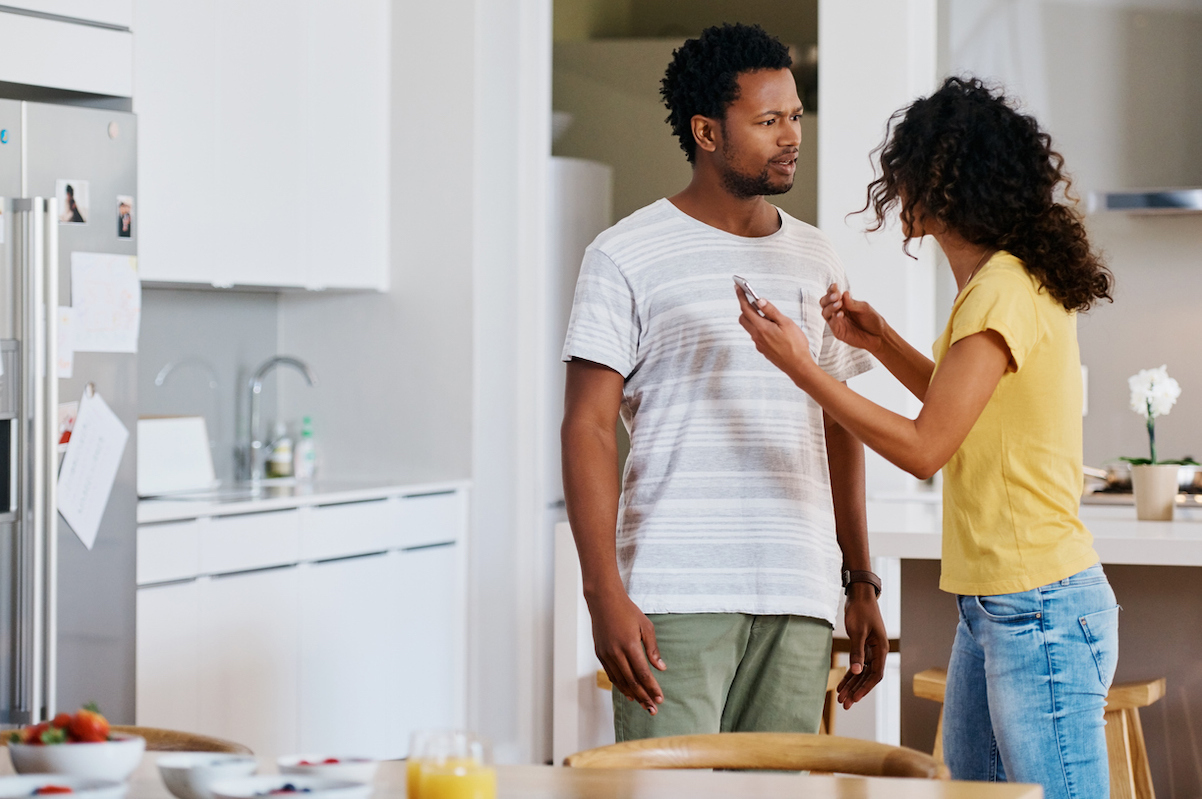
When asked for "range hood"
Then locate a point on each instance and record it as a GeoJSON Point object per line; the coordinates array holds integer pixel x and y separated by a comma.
{"type": "Point", "coordinates": [1148, 201]}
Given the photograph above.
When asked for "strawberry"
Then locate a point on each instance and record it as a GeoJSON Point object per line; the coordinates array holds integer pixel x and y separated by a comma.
{"type": "Point", "coordinates": [62, 721]}
{"type": "Point", "coordinates": [88, 726]}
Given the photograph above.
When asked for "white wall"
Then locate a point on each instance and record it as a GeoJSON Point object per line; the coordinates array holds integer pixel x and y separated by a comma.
{"type": "Point", "coordinates": [869, 71]}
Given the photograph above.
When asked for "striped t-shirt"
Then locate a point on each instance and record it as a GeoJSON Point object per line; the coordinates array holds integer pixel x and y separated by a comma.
{"type": "Point", "coordinates": [726, 501]}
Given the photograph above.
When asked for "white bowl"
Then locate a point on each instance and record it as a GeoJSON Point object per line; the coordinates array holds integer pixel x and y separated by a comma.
{"type": "Point", "coordinates": [354, 769]}
{"type": "Point", "coordinates": [265, 784]}
{"type": "Point", "coordinates": [188, 775]}
{"type": "Point", "coordinates": [81, 787]}
{"type": "Point", "coordinates": [107, 760]}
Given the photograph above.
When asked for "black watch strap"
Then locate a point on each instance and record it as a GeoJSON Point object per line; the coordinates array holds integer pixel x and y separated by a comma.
{"type": "Point", "coordinates": [850, 577]}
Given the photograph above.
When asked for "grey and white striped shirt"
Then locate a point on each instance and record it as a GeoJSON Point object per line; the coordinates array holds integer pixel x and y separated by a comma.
{"type": "Point", "coordinates": [726, 502]}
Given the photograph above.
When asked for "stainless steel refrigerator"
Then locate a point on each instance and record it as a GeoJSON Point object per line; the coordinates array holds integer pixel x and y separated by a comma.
{"type": "Point", "coordinates": [67, 614]}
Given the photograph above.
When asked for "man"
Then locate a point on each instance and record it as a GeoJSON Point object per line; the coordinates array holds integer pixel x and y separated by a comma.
{"type": "Point", "coordinates": [719, 563]}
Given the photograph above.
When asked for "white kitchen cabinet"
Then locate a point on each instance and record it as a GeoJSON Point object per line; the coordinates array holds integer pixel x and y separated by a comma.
{"type": "Point", "coordinates": [249, 659]}
{"type": "Point", "coordinates": [55, 54]}
{"type": "Point", "coordinates": [431, 633]}
{"type": "Point", "coordinates": [167, 692]}
{"type": "Point", "coordinates": [350, 680]}
{"type": "Point", "coordinates": [338, 625]}
{"type": "Point", "coordinates": [116, 13]}
{"type": "Point", "coordinates": [263, 143]}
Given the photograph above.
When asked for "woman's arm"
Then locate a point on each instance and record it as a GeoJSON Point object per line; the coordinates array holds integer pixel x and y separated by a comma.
{"type": "Point", "coordinates": [954, 400]}
{"type": "Point", "coordinates": [857, 323]}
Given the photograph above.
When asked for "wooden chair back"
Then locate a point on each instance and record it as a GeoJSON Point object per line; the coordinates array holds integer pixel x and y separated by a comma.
{"type": "Point", "coordinates": [773, 751]}
{"type": "Point", "coordinates": [161, 740]}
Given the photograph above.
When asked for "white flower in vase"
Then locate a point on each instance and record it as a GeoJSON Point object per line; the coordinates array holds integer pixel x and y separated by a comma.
{"type": "Point", "coordinates": [1153, 394]}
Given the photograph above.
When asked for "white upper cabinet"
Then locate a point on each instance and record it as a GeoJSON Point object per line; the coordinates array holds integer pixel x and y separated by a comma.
{"type": "Point", "coordinates": [77, 45]}
{"type": "Point", "coordinates": [115, 13]}
{"type": "Point", "coordinates": [263, 132]}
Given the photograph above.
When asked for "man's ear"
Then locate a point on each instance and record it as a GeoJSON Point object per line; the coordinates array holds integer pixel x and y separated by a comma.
{"type": "Point", "coordinates": [706, 132]}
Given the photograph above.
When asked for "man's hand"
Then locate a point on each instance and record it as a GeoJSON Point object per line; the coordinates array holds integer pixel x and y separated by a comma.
{"type": "Point", "coordinates": [869, 645]}
{"type": "Point", "coordinates": [625, 641]}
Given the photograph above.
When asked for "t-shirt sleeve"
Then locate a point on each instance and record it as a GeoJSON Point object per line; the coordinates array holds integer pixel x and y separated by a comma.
{"type": "Point", "coordinates": [839, 359]}
{"type": "Point", "coordinates": [1003, 303]}
{"type": "Point", "coordinates": [604, 326]}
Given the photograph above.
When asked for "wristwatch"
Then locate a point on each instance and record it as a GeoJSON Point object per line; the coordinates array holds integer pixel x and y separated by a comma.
{"type": "Point", "coordinates": [850, 577]}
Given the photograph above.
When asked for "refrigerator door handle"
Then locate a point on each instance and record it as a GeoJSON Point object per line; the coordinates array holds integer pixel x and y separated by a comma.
{"type": "Point", "coordinates": [50, 370]}
{"type": "Point", "coordinates": [37, 278]}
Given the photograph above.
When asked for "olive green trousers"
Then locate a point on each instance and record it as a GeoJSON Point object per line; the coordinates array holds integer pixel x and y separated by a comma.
{"type": "Point", "coordinates": [733, 672]}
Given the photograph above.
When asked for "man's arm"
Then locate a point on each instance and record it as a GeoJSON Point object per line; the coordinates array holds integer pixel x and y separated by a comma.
{"type": "Point", "coordinates": [624, 637]}
{"type": "Point", "coordinates": [862, 616]}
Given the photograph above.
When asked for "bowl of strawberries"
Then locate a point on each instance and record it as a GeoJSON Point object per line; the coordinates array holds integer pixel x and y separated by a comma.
{"type": "Point", "coordinates": [78, 744]}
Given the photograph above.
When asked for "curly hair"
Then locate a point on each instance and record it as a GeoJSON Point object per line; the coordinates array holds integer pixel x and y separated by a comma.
{"type": "Point", "coordinates": [967, 159]}
{"type": "Point", "coordinates": [703, 77]}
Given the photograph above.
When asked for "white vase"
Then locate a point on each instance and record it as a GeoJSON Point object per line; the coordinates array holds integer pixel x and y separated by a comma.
{"type": "Point", "coordinates": [1155, 491]}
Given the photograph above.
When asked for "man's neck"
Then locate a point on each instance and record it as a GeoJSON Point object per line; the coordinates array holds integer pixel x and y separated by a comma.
{"type": "Point", "coordinates": [707, 200]}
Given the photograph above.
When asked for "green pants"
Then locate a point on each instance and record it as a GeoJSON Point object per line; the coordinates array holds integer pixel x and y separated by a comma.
{"type": "Point", "coordinates": [732, 672]}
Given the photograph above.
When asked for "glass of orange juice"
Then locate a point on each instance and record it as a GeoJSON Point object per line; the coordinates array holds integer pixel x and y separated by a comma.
{"type": "Point", "coordinates": [450, 765]}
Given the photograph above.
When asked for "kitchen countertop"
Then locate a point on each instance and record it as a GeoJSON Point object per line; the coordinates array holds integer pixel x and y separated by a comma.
{"type": "Point", "coordinates": [280, 496]}
{"type": "Point", "coordinates": [909, 526]}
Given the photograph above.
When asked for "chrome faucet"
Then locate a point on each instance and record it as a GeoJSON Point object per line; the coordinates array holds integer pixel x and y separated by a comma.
{"type": "Point", "coordinates": [253, 449]}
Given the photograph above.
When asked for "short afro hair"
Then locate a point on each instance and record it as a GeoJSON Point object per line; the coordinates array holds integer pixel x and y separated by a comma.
{"type": "Point", "coordinates": [703, 77]}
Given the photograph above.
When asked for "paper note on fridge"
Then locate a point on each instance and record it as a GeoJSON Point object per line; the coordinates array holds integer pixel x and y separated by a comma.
{"type": "Point", "coordinates": [107, 299]}
{"type": "Point", "coordinates": [66, 341]}
{"type": "Point", "coordinates": [90, 467]}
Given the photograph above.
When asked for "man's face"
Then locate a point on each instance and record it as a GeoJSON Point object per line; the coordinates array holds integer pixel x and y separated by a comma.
{"type": "Point", "coordinates": [761, 134]}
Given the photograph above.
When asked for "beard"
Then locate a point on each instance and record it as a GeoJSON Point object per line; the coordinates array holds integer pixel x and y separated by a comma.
{"type": "Point", "coordinates": [745, 186]}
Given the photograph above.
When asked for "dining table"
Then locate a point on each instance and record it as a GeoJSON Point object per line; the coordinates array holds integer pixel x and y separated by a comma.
{"type": "Point", "coordinates": [558, 782]}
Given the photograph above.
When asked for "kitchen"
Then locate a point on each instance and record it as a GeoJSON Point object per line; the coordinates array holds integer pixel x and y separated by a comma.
{"type": "Point", "coordinates": [433, 382]}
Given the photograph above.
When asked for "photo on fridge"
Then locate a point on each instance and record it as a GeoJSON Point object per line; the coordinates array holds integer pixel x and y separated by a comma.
{"type": "Point", "coordinates": [125, 216]}
{"type": "Point", "coordinates": [72, 201]}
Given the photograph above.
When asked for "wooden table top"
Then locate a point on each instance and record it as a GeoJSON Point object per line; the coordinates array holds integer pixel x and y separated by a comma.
{"type": "Point", "coordinates": [548, 782]}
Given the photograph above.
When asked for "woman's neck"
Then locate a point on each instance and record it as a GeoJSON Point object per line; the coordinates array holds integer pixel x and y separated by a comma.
{"type": "Point", "coordinates": [965, 258]}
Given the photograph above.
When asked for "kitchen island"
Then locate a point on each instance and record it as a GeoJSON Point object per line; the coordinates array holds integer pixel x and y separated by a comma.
{"type": "Point", "coordinates": [313, 617]}
{"type": "Point", "coordinates": [1156, 571]}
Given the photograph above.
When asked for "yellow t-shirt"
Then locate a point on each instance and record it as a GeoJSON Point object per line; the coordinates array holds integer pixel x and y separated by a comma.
{"type": "Point", "coordinates": [1012, 490]}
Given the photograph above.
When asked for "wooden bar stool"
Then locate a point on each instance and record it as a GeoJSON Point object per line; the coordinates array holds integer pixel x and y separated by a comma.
{"type": "Point", "coordinates": [1130, 777]}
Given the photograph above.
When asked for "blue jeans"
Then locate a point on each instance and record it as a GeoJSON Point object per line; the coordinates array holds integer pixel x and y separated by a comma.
{"type": "Point", "coordinates": [1027, 683]}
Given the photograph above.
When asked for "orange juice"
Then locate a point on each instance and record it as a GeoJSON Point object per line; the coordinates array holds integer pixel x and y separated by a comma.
{"type": "Point", "coordinates": [413, 776]}
{"type": "Point", "coordinates": [457, 780]}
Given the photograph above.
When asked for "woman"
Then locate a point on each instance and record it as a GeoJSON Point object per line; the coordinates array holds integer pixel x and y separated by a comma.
{"type": "Point", "coordinates": [1037, 641]}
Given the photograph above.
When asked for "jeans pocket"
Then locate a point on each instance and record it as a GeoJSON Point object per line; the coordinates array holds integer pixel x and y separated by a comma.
{"type": "Point", "coordinates": [1102, 632]}
{"type": "Point", "coordinates": [1011, 608]}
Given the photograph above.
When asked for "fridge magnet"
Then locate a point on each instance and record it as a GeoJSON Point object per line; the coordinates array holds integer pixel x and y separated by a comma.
{"type": "Point", "coordinates": [72, 201]}
{"type": "Point", "coordinates": [125, 216]}
{"type": "Point", "coordinates": [67, 411]}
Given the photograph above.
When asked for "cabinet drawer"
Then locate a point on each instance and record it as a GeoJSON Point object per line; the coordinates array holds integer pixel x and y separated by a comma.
{"type": "Point", "coordinates": [249, 541]}
{"type": "Point", "coordinates": [432, 519]}
{"type": "Point", "coordinates": [168, 552]}
{"type": "Point", "coordinates": [349, 528]}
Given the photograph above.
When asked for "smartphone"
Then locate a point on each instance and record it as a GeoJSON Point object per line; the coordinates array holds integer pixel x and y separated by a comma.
{"type": "Point", "coordinates": [752, 297]}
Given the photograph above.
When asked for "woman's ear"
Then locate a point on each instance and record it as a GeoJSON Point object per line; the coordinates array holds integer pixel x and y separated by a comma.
{"type": "Point", "coordinates": [706, 132]}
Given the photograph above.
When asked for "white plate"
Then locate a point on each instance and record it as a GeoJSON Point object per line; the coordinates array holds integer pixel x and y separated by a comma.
{"type": "Point", "coordinates": [348, 767]}
{"type": "Point", "coordinates": [81, 787]}
{"type": "Point", "coordinates": [264, 784]}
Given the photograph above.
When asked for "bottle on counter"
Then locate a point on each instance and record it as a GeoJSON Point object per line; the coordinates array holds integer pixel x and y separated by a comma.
{"type": "Point", "coordinates": [279, 462]}
{"type": "Point", "coordinates": [304, 459]}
